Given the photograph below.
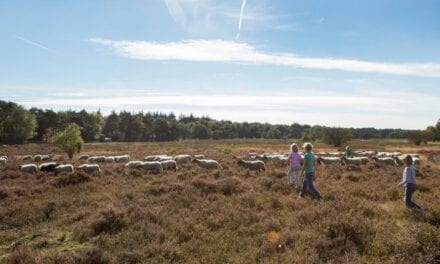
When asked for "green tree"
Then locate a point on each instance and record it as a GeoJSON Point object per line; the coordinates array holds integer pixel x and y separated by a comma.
{"type": "Point", "coordinates": [111, 127]}
{"type": "Point", "coordinates": [336, 136]}
{"type": "Point", "coordinates": [69, 140]}
{"type": "Point", "coordinates": [17, 125]}
{"type": "Point", "coordinates": [201, 131]}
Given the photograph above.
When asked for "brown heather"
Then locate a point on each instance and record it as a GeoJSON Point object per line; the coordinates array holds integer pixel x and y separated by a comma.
{"type": "Point", "coordinates": [201, 216]}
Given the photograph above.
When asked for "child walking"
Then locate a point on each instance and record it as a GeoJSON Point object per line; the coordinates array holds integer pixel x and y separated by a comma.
{"type": "Point", "coordinates": [294, 162]}
{"type": "Point", "coordinates": [409, 182]}
{"type": "Point", "coordinates": [309, 169]}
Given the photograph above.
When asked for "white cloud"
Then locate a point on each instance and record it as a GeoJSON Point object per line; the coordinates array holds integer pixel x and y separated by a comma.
{"type": "Point", "coordinates": [238, 52]}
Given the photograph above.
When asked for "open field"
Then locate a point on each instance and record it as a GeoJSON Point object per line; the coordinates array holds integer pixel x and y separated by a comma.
{"type": "Point", "coordinates": [196, 215]}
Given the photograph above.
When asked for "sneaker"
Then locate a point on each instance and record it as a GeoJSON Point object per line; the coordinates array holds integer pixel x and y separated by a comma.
{"type": "Point", "coordinates": [300, 196]}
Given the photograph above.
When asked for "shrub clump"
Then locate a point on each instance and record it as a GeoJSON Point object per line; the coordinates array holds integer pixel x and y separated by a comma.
{"type": "Point", "coordinates": [108, 222]}
{"type": "Point", "coordinates": [72, 179]}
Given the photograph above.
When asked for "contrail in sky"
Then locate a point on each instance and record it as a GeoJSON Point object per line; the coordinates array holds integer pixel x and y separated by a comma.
{"type": "Point", "coordinates": [243, 4]}
{"type": "Point", "coordinates": [33, 43]}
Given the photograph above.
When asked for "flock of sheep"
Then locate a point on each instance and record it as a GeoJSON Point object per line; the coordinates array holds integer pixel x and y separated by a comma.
{"type": "Point", "coordinates": [156, 163]}
{"type": "Point", "coordinates": [338, 158]}
{"type": "Point", "coordinates": [159, 163]}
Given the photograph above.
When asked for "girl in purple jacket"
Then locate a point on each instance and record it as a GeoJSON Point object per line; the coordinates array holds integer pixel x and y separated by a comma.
{"type": "Point", "coordinates": [294, 162]}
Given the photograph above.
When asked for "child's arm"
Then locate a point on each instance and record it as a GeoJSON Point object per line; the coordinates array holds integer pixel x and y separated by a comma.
{"type": "Point", "coordinates": [405, 177]}
{"type": "Point", "coordinates": [303, 166]}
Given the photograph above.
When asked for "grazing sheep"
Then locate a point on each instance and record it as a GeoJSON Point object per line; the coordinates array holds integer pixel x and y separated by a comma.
{"type": "Point", "coordinates": [354, 161]}
{"type": "Point", "coordinates": [38, 158]}
{"type": "Point", "coordinates": [154, 166]}
{"type": "Point", "coordinates": [123, 158]}
{"type": "Point", "coordinates": [182, 158]}
{"type": "Point", "coordinates": [158, 158]}
{"type": "Point", "coordinates": [4, 157]}
{"type": "Point", "coordinates": [46, 158]}
{"type": "Point", "coordinates": [364, 160]}
{"type": "Point", "coordinates": [400, 159]}
{"type": "Point", "coordinates": [169, 165]}
{"type": "Point", "coordinates": [3, 161]}
{"type": "Point", "coordinates": [109, 159]}
{"type": "Point", "coordinates": [385, 161]}
{"type": "Point", "coordinates": [367, 153]}
{"type": "Point", "coordinates": [252, 164]}
{"type": "Point", "coordinates": [329, 160]}
{"type": "Point", "coordinates": [207, 164]}
{"type": "Point", "coordinates": [336, 154]}
{"type": "Point", "coordinates": [28, 168]}
{"type": "Point", "coordinates": [84, 157]}
{"type": "Point", "coordinates": [64, 168]}
{"type": "Point", "coordinates": [96, 159]}
{"type": "Point", "coordinates": [89, 168]}
{"type": "Point", "coordinates": [48, 166]}
{"type": "Point", "coordinates": [27, 157]}
{"type": "Point", "coordinates": [199, 156]}
{"type": "Point", "coordinates": [416, 161]}
{"type": "Point", "coordinates": [133, 164]}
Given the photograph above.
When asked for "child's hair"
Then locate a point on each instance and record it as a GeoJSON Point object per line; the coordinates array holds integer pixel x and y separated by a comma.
{"type": "Point", "coordinates": [347, 147]}
{"type": "Point", "coordinates": [308, 146]}
{"type": "Point", "coordinates": [408, 160]}
{"type": "Point", "coordinates": [294, 147]}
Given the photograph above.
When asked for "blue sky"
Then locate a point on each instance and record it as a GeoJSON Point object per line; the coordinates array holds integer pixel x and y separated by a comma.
{"type": "Point", "coordinates": [338, 63]}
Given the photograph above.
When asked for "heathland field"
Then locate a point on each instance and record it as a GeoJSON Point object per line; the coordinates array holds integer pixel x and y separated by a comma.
{"type": "Point", "coordinates": [232, 215]}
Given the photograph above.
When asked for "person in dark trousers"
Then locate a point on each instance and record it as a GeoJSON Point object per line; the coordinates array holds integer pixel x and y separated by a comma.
{"type": "Point", "coordinates": [309, 169]}
{"type": "Point", "coordinates": [409, 182]}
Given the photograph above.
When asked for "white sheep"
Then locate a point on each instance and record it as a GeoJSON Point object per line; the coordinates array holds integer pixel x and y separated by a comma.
{"type": "Point", "coordinates": [154, 166]}
{"type": "Point", "coordinates": [385, 161]}
{"type": "Point", "coordinates": [169, 165]}
{"type": "Point", "coordinates": [28, 168]}
{"type": "Point", "coordinates": [84, 157]}
{"type": "Point", "coordinates": [133, 164]}
{"type": "Point", "coordinates": [400, 159]}
{"type": "Point", "coordinates": [64, 168]}
{"type": "Point", "coordinates": [109, 159]}
{"type": "Point", "coordinates": [158, 158]}
{"type": "Point", "coordinates": [47, 167]}
{"type": "Point", "coordinates": [37, 158]}
{"type": "Point", "coordinates": [123, 158]}
{"type": "Point", "coordinates": [354, 161]}
{"type": "Point", "coordinates": [207, 164]}
{"type": "Point", "coordinates": [27, 157]}
{"type": "Point", "coordinates": [96, 159]}
{"type": "Point", "coordinates": [89, 168]}
{"type": "Point", "coordinates": [329, 160]}
{"type": "Point", "coordinates": [3, 161]}
{"type": "Point", "coordinates": [199, 156]}
{"type": "Point", "coordinates": [182, 158]}
{"type": "Point", "coordinates": [252, 164]}
{"type": "Point", "coordinates": [46, 157]}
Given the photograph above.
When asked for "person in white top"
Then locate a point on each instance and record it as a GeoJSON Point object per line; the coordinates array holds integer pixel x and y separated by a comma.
{"type": "Point", "coordinates": [409, 182]}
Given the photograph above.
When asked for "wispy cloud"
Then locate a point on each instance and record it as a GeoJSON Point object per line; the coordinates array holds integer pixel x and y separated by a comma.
{"type": "Point", "coordinates": [240, 20]}
{"type": "Point", "coordinates": [33, 43]}
{"type": "Point", "coordinates": [238, 52]}
{"type": "Point", "coordinates": [176, 11]}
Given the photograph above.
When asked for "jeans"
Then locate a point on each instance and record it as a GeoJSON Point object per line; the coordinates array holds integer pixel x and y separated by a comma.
{"type": "Point", "coordinates": [308, 183]}
{"type": "Point", "coordinates": [297, 170]}
{"type": "Point", "coordinates": [410, 188]}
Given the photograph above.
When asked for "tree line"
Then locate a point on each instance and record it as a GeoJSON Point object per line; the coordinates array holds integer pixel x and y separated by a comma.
{"type": "Point", "coordinates": [19, 125]}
